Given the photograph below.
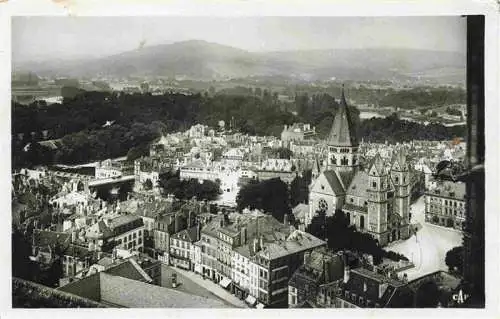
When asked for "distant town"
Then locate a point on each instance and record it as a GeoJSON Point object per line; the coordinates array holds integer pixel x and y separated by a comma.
{"type": "Point", "coordinates": [212, 217]}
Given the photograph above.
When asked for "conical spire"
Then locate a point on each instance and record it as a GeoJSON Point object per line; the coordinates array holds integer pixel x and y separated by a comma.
{"type": "Point", "coordinates": [343, 132]}
{"type": "Point", "coordinates": [342, 97]}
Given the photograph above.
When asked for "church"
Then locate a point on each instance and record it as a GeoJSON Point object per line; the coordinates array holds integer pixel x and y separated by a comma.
{"type": "Point", "coordinates": [376, 199]}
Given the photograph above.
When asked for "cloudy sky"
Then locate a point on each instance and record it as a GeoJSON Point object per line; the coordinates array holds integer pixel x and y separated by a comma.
{"type": "Point", "coordinates": [40, 38]}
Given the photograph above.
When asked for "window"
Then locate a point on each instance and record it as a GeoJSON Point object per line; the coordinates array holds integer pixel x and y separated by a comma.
{"type": "Point", "coordinates": [374, 184]}
{"type": "Point", "coordinates": [362, 222]}
{"type": "Point", "coordinates": [397, 179]}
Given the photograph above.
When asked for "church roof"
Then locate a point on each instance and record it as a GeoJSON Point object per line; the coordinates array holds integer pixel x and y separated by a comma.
{"type": "Point", "coordinates": [346, 178]}
{"type": "Point", "coordinates": [359, 185]}
{"type": "Point", "coordinates": [343, 131]}
{"type": "Point", "coordinates": [335, 183]}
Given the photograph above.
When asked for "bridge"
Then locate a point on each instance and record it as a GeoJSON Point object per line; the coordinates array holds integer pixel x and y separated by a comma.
{"type": "Point", "coordinates": [111, 180]}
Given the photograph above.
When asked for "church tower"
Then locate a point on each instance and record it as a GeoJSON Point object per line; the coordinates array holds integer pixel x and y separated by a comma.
{"type": "Point", "coordinates": [378, 188]}
{"type": "Point", "coordinates": [342, 142]}
{"type": "Point", "coordinates": [400, 176]}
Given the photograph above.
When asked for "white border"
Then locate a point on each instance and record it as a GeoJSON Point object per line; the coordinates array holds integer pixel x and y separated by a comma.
{"type": "Point", "coordinates": [262, 8]}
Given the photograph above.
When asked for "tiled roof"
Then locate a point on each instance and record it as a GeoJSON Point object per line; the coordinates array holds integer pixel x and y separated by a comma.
{"type": "Point", "coordinates": [334, 182]}
{"type": "Point", "coordinates": [448, 188]}
{"type": "Point", "coordinates": [377, 277]}
{"type": "Point", "coordinates": [189, 235]}
{"type": "Point", "coordinates": [124, 292]}
{"type": "Point", "coordinates": [296, 242]}
{"type": "Point", "coordinates": [374, 287]}
{"type": "Point", "coordinates": [359, 185]}
{"type": "Point", "coordinates": [98, 230]}
{"type": "Point", "coordinates": [129, 269]}
{"type": "Point", "coordinates": [345, 178]}
{"type": "Point", "coordinates": [122, 220]}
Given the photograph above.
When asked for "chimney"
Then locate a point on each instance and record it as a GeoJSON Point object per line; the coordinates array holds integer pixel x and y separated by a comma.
{"type": "Point", "coordinates": [326, 269]}
{"type": "Point", "coordinates": [243, 238]}
{"type": "Point", "coordinates": [346, 269]}
{"type": "Point", "coordinates": [285, 220]}
{"type": "Point", "coordinates": [307, 254]}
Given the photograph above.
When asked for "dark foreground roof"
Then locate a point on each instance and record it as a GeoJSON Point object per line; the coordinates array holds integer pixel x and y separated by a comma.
{"type": "Point", "coordinates": [27, 294]}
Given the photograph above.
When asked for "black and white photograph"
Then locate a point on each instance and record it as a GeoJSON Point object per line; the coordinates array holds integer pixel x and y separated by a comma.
{"type": "Point", "coordinates": [255, 162]}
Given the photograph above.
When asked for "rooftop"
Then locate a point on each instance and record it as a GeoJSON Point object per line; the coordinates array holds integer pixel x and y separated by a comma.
{"type": "Point", "coordinates": [129, 293]}
{"type": "Point", "coordinates": [296, 242]}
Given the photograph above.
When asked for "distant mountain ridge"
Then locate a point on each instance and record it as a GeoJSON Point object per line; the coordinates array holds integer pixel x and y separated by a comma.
{"type": "Point", "coordinates": [201, 60]}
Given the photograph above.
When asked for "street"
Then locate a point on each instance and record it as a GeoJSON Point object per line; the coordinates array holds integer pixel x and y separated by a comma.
{"type": "Point", "coordinates": [192, 283]}
{"type": "Point", "coordinates": [427, 249]}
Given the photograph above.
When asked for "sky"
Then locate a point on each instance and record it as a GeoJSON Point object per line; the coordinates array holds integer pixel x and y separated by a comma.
{"type": "Point", "coordinates": [43, 37]}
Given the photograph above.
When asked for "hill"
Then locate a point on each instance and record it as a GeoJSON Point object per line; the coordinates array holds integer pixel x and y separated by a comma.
{"type": "Point", "coordinates": [201, 60]}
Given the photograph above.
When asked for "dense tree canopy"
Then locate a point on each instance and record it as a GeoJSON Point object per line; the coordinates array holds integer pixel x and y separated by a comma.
{"type": "Point", "coordinates": [340, 235]}
{"type": "Point", "coordinates": [455, 259]}
{"type": "Point", "coordinates": [299, 188]}
{"type": "Point", "coordinates": [187, 189]}
{"type": "Point", "coordinates": [99, 125]}
{"type": "Point", "coordinates": [271, 196]}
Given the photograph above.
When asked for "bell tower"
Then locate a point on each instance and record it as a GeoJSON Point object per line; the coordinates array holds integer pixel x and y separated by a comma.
{"type": "Point", "coordinates": [342, 141]}
{"type": "Point", "coordinates": [400, 176]}
{"type": "Point", "coordinates": [378, 188]}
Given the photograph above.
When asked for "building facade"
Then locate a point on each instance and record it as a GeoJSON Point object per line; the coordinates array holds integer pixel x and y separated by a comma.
{"type": "Point", "coordinates": [445, 205]}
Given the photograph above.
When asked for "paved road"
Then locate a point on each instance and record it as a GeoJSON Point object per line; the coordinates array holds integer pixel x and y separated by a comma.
{"type": "Point", "coordinates": [194, 284]}
{"type": "Point", "coordinates": [427, 249]}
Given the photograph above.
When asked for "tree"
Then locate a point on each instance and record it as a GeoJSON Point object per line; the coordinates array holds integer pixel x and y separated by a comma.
{"type": "Point", "coordinates": [271, 196]}
{"type": "Point", "coordinates": [187, 189]}
{"type": "Point", "coordinates": [137, 152]}
{"type": "Point", "coordinates": [455, 258]}
{"type": "Point", "coordinates": [299, 188]}
{"type": "Point", "coordinates": [22, 266]}
{"type": "Point", "coordinates": [340, 235]}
